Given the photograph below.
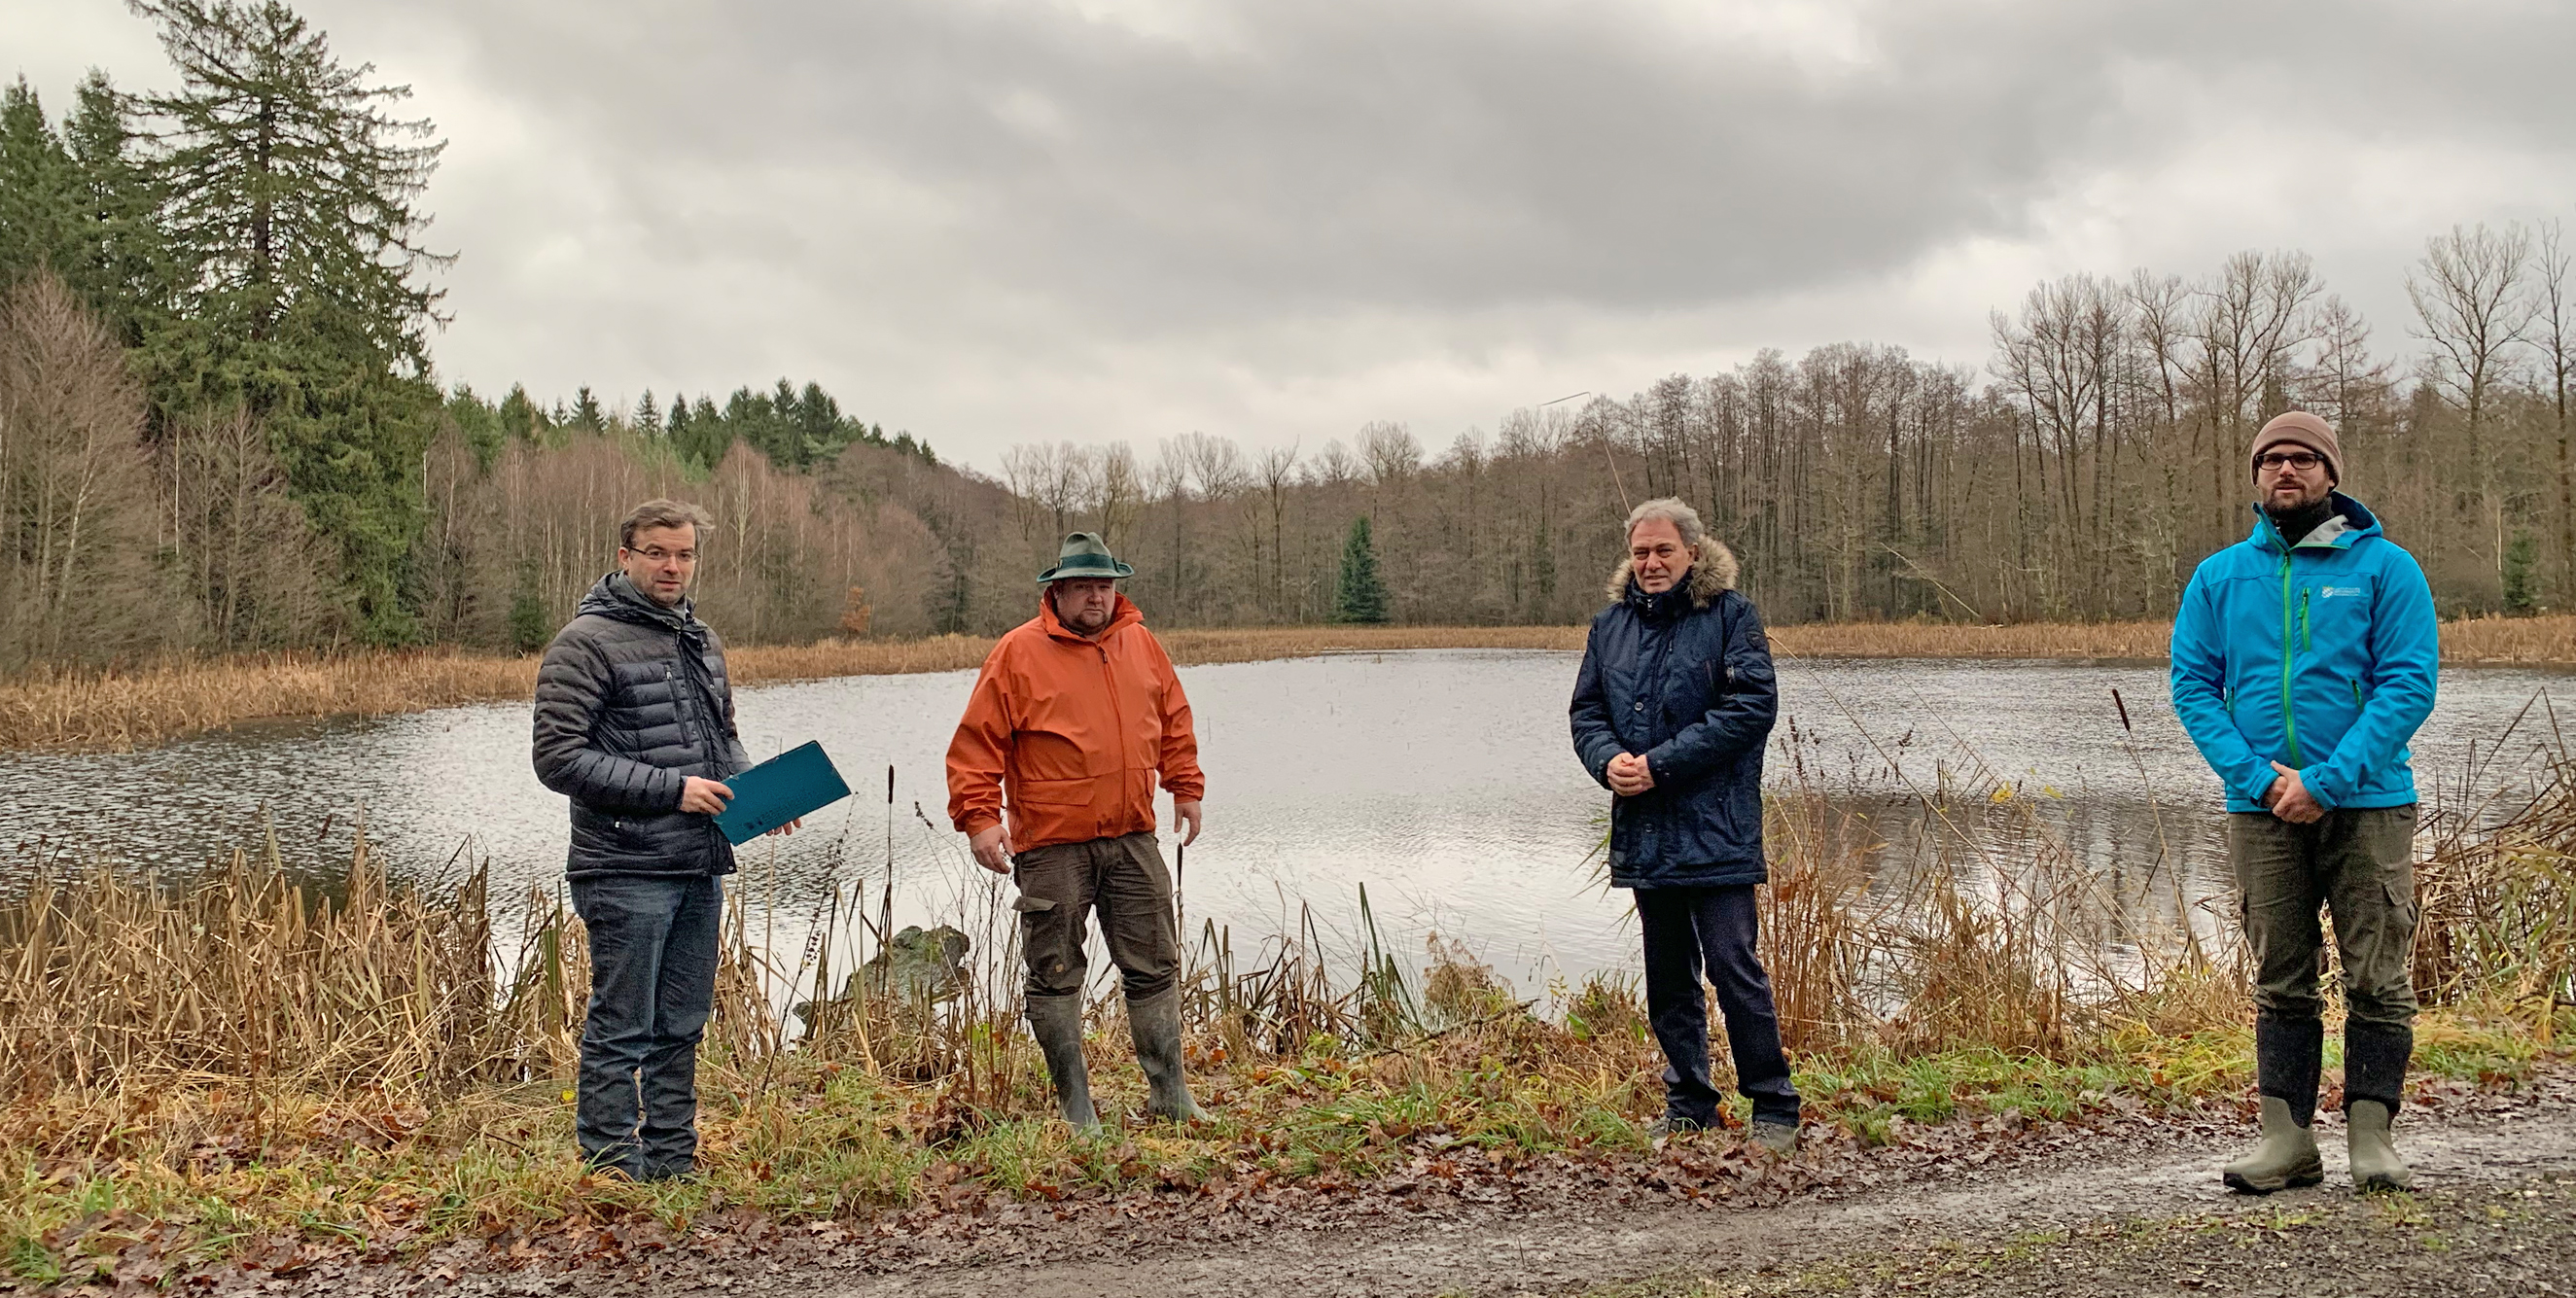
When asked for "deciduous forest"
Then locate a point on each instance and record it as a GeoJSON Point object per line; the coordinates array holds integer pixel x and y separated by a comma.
{"type": "Point", "coordinates": [222, 429]}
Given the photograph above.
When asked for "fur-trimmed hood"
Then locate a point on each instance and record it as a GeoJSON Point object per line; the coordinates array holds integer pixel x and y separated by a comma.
{"type": "Point", "coordinates": [1712, 573]}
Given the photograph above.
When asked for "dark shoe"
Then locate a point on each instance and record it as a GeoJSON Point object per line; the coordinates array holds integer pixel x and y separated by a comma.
{"type": "Point", "coordinates": [1779, 1137]}
{"type": "Point", "coordinates": [1056, 1021]}
{"type": "Point", "coordinates": [1155, 1025]}
{"type": "Point", "coordinates": [1672, 1124]}
{"type": "Point", "coordinates": [2287, 1156]}
{"type": "Point", "coordinates": [2375, 1164]}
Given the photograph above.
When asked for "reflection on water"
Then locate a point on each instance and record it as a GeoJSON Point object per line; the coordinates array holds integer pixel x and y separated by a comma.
{"type": "Point", "coordinates": [1441, 780]}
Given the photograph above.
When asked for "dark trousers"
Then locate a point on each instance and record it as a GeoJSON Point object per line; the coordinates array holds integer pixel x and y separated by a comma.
{"type": "Point", "coordinates": [1122, 878]}
{"type": "Point", "coordinates": [652, 987]}
{"type": "Point", "coordinates": [2358, 864]}
{"type": "Point", "coordinates": [1688, 930]}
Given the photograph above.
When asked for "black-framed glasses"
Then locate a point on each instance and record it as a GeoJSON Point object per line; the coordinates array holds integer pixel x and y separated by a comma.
{"type": "Point", "coordinates": [2300, 460]}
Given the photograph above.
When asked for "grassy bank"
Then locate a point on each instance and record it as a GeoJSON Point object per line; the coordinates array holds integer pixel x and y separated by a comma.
{"type": "Point", "coordinates": [153, 703]}
{"type": "Point", "coordinates": [235, 1065]}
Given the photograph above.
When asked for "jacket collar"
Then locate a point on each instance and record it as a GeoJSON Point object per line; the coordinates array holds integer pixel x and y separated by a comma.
{"type": "Point", "coordinates": [613, 596]}
{"type": "Point", "coordinates": [1712, 574]}
{"type": "Point", "coordinates": [2357, 522]}
{"type": "Point", "coordinates": [1125, 614]}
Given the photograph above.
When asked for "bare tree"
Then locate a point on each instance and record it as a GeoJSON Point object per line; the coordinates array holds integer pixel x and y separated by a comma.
{"type": "Point", "coordinates": [1390, 453]}
{"type": "Point", "coordinates": [2468, 297]}
{"type": "Point", "coordinates": [75, 491]}
{"type": "Point", "coordinates": [2554, 333]}
{"type": "Point", "coordinates": [1114, 487]}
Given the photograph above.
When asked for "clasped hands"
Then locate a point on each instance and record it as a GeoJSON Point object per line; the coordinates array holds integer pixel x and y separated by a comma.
{"type": "Point", "coordinates": [2290, 800]}
{"type": "Point", "coordinates": [706, 797]}
{"type": "Point", "coordinates": [1630, 775]}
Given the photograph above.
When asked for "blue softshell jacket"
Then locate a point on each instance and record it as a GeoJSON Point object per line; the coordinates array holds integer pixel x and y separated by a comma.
{"type": "Point", "coordinates": [2321, 656]}
{"type": "Point", "coordinates": [1683, 677]}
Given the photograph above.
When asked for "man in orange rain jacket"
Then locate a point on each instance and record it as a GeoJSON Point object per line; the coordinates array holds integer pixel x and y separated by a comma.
{"type": "Point", "coordinates": [1075, 714]}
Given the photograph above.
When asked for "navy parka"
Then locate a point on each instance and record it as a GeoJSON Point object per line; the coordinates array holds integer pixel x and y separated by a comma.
{"type": "Point", "coordinates": [1683, 677]}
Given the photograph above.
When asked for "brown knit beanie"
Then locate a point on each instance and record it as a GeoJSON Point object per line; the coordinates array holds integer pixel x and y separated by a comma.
{"type": "Point", "coordinates": [2299, 428]}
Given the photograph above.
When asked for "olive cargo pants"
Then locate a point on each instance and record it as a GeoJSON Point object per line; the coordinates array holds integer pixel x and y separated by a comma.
{"type": "Point", "coordinates": [2359, 865]}
{"type": "Point", "coordinates": [1122, 878]}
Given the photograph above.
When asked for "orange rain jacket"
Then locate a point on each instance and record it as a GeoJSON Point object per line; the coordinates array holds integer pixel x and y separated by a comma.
{"type": "Point", "coordinates": [1074, 731]}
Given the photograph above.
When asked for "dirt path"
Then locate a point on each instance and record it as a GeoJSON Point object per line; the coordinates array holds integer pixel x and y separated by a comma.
{"type": "Point", "coordinates": [2130, 1206]}
{"type": "Point", "coordinates": [2482, 1149]}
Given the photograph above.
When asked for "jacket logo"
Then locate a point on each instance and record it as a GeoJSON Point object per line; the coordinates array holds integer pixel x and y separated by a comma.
{"type": "Point", "coordinates": [2349, 592]}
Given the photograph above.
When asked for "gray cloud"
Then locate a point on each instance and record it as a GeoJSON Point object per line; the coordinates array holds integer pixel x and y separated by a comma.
{"type": "Point", "coordinates": [997, 221]}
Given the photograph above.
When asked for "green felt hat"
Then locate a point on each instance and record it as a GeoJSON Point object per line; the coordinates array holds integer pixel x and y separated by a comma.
{"type": "Point", "coordinates": [1084, 555]}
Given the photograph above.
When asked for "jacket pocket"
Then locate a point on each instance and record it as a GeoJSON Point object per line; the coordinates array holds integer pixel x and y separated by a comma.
{"type": "Point", "coordinates": [1053, 793]}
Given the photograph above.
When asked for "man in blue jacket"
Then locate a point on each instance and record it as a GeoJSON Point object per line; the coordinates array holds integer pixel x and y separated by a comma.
{"type": "Point", "coordinates": [2304, 659]}
{"type": "Point", "coordinates": [1671, 709]}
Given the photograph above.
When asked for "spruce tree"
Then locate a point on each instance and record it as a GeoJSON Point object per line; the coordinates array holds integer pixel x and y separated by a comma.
{"type": "Point", "coordinates": [124, 268]}
{"type": "Point", "coordinates": [36, 190]}
{"type": "Point", "coordinates": [288, 195]}
{"type": "Point", "coordinates": [1359, 595]}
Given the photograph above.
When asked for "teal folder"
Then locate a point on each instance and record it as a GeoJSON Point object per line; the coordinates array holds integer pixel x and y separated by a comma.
{"type": "Point", "coordinates": [798, 782]}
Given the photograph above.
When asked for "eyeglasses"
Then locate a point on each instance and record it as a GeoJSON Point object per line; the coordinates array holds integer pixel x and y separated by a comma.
{"type": "Point", "coordinates": [2300, 460]}
{"type": "Point", "coordinates": [656, 554]}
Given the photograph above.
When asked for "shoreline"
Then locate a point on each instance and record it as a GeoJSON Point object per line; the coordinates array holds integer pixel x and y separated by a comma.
{"type": "Point", "coordinates": [123, 709]}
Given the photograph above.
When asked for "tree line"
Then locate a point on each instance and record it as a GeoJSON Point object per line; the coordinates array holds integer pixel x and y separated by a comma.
{"type": "Point", "coordinates": [2098, 455]}
{"type": "Point", "coordinates": [220, 430]}
{"type": "Point", "coordinates": [219, 425]}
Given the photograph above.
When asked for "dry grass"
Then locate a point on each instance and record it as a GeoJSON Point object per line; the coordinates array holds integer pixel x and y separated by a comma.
{"type": "Point", "coordinates": [249, 1062]}
{"type": "Point", "coordinates": [127, 708]}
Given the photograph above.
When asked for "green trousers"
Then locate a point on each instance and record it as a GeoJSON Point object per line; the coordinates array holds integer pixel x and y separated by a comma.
{"type": "Point", "coordinates": [2358, 864]}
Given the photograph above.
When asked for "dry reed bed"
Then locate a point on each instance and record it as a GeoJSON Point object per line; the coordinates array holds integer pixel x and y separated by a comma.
{"type": "Point", "coordinates": [129, 708]}
{"type": "Point", "coordinates": [249, 1058]}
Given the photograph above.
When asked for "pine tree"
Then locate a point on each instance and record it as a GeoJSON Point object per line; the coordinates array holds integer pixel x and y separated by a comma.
{"type": "Point", "coordinates": [520, 418]}
{"type": "Point", "coordinates": [648, 417]}
{"type": "Point", "coordinates": [124, 268]}
{"type": "Point", "coordinates": [586, 414]}
{"type": "Point", "coordinates": [1359, 596]}
{"type": "Point", "coordinates": [36, 191]}
{"type": "Point", "coordinates": [480, 423]}
{"type": "Point", "coordinates": [288, 196]}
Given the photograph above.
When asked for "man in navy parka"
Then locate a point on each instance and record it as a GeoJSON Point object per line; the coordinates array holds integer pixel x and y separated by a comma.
{"type": "Point", "coordinates": [1671, 710]}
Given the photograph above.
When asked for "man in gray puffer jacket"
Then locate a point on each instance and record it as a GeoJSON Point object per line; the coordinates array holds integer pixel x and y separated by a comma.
{"type": "Point", "coordinates": [634, 723]}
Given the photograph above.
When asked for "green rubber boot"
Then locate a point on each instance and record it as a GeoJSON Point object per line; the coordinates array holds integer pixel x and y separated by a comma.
{"type": "Point", "coordinates": [1056, 1021]}
{"type": "Point", "coordinates": [2375, 1164]}
{"type": "Point", "coordinates": [1154, 1023]}
{"type": "Point", "coordinates": [2286, 1158]}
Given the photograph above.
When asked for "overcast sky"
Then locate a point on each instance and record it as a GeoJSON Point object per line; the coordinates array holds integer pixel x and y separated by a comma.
{"type": "Point", "coordinates": [995, 222]}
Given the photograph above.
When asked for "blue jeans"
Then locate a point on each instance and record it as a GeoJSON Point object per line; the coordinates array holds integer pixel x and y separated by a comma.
{"type": "Point", "coordinates": [1686, 930]}
{"type": "Point", "coordinates": [652, 988]}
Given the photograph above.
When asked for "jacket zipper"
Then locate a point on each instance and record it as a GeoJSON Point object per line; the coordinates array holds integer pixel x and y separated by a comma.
{"type": "Point", "coordinates": [2306, 640]}
{"type": "Point", "coordinates": [2289, 651]}
{"type": "Point", "coordinates": [1110, 678]}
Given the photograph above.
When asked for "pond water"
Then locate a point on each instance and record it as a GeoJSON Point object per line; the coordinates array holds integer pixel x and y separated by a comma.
{"type": "Point", "coordinates": [1440, 781]}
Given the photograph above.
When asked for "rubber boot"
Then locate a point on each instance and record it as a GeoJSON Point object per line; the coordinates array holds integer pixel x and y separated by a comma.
{"type": "Point", "coordinates": [1056, 1021]}
{"type": "Point", "coordinates": [2287, 1055]}
{"type": "Point", "coordinates": [2286, 1158]}
{"type": "Point", "coordinates": [2374, 1071]}
{"type": "Point", "coordinates": [1155, 1023]}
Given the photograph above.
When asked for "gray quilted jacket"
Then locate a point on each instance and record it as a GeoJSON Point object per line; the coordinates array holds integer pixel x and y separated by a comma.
{"type": "Point", "coordinates": [631, 700]}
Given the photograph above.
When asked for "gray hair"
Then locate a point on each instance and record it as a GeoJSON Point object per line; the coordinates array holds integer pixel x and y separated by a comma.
{"type": "Point", "coordinates": [1668, 509]}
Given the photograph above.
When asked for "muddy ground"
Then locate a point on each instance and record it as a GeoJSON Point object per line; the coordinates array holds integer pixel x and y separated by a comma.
{"type": "Point", "coordinates": [2118, 1203]}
